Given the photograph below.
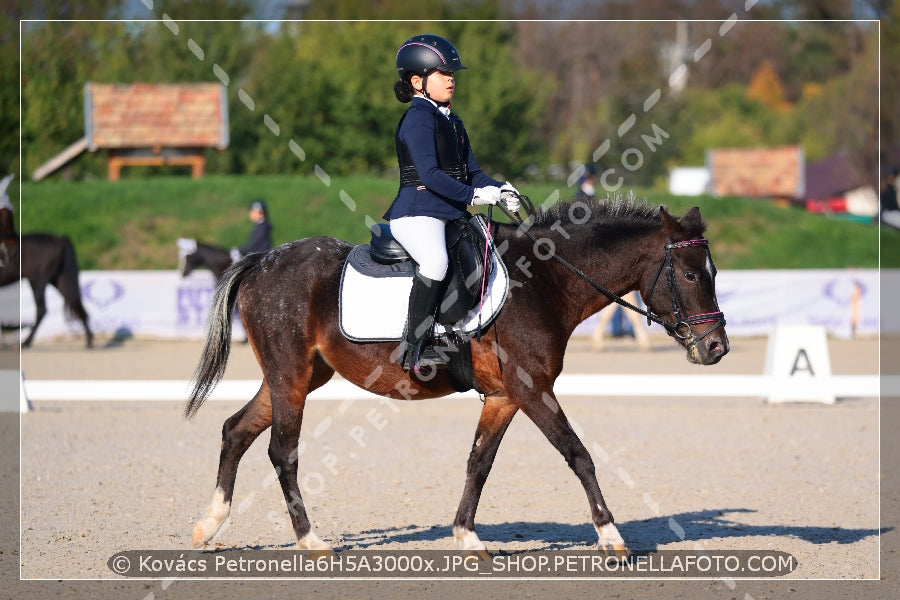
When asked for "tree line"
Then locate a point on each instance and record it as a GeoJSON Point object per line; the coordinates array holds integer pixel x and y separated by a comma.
{"type": "Point", "coordinates": [635, 97]}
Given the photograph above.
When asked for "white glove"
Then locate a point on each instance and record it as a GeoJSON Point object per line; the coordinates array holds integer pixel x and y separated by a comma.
{"type": "Point", "coordinates": [486, 195]}
{"type": "Point", "coordinates": [510, 195]}
{"type": "Point", "coordinates": [235, 255]}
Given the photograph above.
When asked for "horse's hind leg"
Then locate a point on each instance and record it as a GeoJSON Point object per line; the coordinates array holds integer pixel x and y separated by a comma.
{"type": "Point", "coordinates": [496, 415]}
{"type": "Point", "coordinates": [287, 418]}
{"type": "Point", "coordinates": [238, 433]}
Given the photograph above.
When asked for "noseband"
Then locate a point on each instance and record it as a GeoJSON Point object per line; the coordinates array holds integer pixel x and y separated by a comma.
{"type": "Point", "coordinates": [681, 327]}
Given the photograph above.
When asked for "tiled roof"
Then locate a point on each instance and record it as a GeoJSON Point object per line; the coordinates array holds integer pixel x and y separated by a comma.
{"type": "Point", "coordinates": [757, 172]}
{"type": "Point", "coordinates": [144, 115]}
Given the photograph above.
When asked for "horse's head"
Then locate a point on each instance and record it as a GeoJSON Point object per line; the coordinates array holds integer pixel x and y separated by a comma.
{"type": "Point", "coordinates": [187, 251]}
{"type": "Point", "coordinates": [680, 288]}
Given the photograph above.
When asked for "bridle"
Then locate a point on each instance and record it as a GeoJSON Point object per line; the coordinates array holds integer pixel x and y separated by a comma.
{"type": "Point", "coordinates": [681, 327]}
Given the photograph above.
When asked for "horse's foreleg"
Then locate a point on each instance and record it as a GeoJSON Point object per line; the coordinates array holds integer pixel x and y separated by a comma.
{"type": "Point", "coordinates": [496, 415]}
{"type": "Point", "coordinates": [40, 307]}
{"type": "Point", "coordinates": [548, 415]}
{"type": "Point", "coordinates": [238, 433]}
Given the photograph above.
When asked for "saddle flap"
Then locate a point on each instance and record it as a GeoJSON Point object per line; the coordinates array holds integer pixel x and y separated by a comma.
{"type": "Point", "coordinates": [373, 297]}
{"type": "Point", "coordinates": [466, 243]}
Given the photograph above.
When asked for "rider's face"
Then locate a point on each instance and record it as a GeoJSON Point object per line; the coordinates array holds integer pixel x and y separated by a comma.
{"type": "Point", "coordinates": [439, 84]}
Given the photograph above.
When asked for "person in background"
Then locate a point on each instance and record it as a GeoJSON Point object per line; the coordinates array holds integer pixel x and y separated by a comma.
{"type": "Point", "coordinates": [890, 211]}
{"type": "Point", "coordinates": [260, 239]}
{"type": "Point", "coordinates": [638, 326]}
{"type": "Point", "coordinates": [439, 179]}
{"type": "Point", "coordinates": [586, 185]}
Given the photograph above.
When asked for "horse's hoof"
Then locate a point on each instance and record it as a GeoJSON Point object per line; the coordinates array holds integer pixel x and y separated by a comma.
{"type": "Point", "coordinates": [481, 555]}
{"type": "Point", "coordinates": [203, 531]}
{"type": "Point", "coordinates": [317, 548]}
{"type": "Point", "coordinates": [619, 551]}
{"type": "Point", "coordinates": [468, 541]}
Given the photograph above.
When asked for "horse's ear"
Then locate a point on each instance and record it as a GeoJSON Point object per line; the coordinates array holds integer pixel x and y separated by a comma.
{"type": "Point", "coordinates": [689, 226]}
{"type": "Point", "coordinates": [670, 224]}
{"type": "Point", "coordinates": [692, 223]}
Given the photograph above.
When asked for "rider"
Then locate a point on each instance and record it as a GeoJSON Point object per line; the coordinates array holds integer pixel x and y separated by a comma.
{"type": "Point", "coordinates": [439, 178]}
{"type": "Point", "coordinates": [260, 239]}
{"type": "Point", "coordinates": [586, 184]}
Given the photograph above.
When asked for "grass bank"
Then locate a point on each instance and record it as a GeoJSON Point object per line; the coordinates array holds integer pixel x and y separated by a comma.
{"type": "Point", "coordinates": [133, 223]}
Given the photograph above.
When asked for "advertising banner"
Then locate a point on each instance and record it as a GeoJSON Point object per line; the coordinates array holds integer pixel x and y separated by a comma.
{"type": "Point", "coordinates": [163, 304]}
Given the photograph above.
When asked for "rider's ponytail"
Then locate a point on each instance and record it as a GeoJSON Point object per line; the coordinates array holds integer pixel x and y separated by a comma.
{"type": "Point", "coordinates": [403, 89]}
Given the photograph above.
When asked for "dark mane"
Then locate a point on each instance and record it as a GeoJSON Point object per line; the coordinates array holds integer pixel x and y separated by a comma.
{"type": "Point", "coordinates": [618, 209]}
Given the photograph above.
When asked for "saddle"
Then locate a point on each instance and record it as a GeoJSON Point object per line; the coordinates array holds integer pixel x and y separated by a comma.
{"type": "Point", "coordinates": [376, 282]}
{"type": "Point", "coordinates": [466, 243]}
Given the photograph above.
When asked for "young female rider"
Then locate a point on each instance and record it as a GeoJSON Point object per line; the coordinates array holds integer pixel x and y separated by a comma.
{"type": "Point", "coordinates": [439, 178]}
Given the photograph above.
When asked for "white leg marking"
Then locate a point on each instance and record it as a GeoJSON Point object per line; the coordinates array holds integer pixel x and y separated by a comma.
{"type": "Point", "coordinates": [311, 541]}
{"type": "Point", "coordinates": [609, 535]}
{"type": "Point", "coordinates": [216, 514]}
{"type": "Point", "coordinates": [467, 539]}
{"type": "Point", "coordinates": [610, 541]}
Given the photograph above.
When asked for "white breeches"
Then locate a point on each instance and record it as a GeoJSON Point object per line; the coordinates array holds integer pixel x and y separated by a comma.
{"type": "Point", "coordinates": [425, 240]}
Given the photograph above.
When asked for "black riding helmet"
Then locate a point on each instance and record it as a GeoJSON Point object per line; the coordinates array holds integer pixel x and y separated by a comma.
{"type": "Point", "coordinates": [422, 54]}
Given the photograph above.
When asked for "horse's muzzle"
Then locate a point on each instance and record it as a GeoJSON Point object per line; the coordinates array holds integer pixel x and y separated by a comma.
{"type": "Point", "coordinates": [709, 349]}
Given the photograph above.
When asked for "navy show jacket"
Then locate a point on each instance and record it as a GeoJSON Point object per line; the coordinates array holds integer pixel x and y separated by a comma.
{"type": "Point", "coordinates": [443, 197]}
{"type": "Point", "coordinates": [260, 239]}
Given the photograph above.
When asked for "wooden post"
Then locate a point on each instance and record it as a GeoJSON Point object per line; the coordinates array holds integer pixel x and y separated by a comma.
{"type": "Point", "coordinates": [198, 166]}
{"type": "Point", "coordinates": [113, 167]}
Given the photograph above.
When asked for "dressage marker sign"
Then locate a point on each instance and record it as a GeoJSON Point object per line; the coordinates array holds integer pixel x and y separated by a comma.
{"type": "Point", "coordinates": [797, 360]}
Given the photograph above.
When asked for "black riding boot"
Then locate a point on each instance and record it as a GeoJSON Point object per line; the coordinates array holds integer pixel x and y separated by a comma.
{"type": "Point", "coordinates": [417, 350]}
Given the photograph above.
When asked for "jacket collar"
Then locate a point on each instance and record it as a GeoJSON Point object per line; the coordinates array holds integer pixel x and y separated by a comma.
{"type": "Point", "coordinates": [431, 105]}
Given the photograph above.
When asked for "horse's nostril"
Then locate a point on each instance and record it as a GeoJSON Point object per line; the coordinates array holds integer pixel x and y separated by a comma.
{"type": "Point", "coordinates": [716, 348]}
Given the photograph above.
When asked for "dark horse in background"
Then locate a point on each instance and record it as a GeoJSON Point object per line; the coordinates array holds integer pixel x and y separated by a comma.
{"type": "Point", "coordinates": [41, 259]}
{"type": "Point", "coordinates": [45, 259]}
{"type": "Point", "coordinates": [195, 255]}
{"type": "Point", "coordinates": [288, 301]}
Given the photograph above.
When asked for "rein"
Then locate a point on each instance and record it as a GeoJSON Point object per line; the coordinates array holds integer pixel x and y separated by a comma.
{"type": "Point", "coordinates": [681, 328]}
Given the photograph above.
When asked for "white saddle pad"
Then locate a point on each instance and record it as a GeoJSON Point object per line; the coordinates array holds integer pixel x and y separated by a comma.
{"type": "Point", "coordinates": [374, 309]}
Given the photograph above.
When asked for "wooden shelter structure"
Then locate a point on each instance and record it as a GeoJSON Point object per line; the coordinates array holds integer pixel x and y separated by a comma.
{"type": "Point", "coordinates": [757, 172]}
{"type": "Point", "coordinates": [148, 124]}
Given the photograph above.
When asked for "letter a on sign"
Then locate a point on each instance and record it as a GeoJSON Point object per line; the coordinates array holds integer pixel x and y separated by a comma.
{"type": "Point", "coordinates": [801, 363]}
{"type": "Point", "coordinates": [798, 365]}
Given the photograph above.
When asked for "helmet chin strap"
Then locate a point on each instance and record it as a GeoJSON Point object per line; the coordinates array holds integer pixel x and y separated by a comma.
{"type": "Point", "coordinates": [425, 93]}
{"type": "Point", "coordinates": [424, 90]}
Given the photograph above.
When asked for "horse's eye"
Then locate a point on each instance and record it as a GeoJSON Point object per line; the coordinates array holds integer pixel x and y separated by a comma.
{"type": "Point", "coordinates": [690, 276]}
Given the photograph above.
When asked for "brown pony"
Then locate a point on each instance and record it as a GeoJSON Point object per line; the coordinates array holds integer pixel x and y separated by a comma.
{"type": "Point", "coordinates": [288, 301]}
